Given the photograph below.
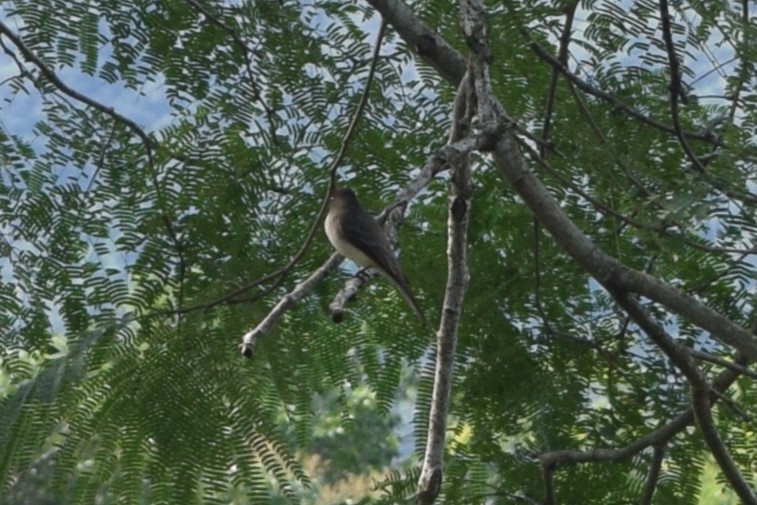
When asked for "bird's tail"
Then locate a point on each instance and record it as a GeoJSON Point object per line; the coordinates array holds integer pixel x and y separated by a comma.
{"type": "Point", "coordinates": [403, 286]}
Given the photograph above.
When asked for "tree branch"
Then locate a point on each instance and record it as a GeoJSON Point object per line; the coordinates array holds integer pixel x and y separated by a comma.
{"type": "Point", "coordinates": [548, 478]}
{"type": "Point", "coordinates": [656, 438]}
{"type": "Point", "coordinates": [562, 57]}
{"type": "Point", "coordinates": [475, 98]}
{"type": "Point", "coordinates": [250, 339]}
{"type": "Point", "coordinates": [149, 144]}
{"type": "Point", "coordinates": [430, 480]}
{"type": "Point", "coordinates": [51, 76]}
{"type": "Point", "coordinates": [584, 86]}
{"type": "Point", "coordinates": [732, 365]}
{"type": "Point", "coordinates": [606, 269]}
{"type": "Point", "coordinates": [570, 11]}
{"type": "Point", "coordinates": [662, 228]}
{"type": "Point", "coordinates": [654, 473]}
{"type": "Point", "coordinates": [429, 45]}
{"type": "Point", "coordinates": [700, 392]}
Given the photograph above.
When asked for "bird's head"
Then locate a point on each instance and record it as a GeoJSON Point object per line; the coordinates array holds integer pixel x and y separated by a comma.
{"type": "Point", "coordinates": [343, 198]}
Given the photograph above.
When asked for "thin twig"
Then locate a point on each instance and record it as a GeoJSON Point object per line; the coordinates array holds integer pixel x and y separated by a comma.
{"type": "Point", "coordinates": [706, 356]}
{"type": "Point", "coordinates": [246, 51]}
{"type": "Point", "coordinates": [744, 73]}
{"type": "Point", "coordinates": [609, 97]}
{"type": "Point", "coordinates": [149, 144]}
{"type": "Point", "coordinates": [660, 436]}
{"type": "Point", "coordinates": [570, 11]}
{"type": "Point", "coordinates": [676, 92]}
{"type": "Point", "coordinates": [675, 87]}
{"type": "Point", "coordinates": [661, 228]}
{"type": "Point", "coordinates": [548, 478]}
{"type": "Point", "coordinates": [537, 277]}
{"type": "Point", "coordinates": [731, 404]}
{"type": "Point", "coordinates": [562, 57]}
{"type": "Point", "coordinates": [101, 158]}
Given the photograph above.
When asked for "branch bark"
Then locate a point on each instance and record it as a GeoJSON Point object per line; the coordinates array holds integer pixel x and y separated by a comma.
{"type": "Point", "coordinates": [473, 100]}
{"type": "Point", "coordinates": [250, 339]}
{"type": "Point", "coordinates": [430, 480]}
{"type": "Point", "coordinates": [676, 86]}
{"type": "Point", "coordinates": [654, 473]}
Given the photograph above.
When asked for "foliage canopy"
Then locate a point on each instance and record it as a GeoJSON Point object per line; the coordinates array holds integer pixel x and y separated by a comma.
{"type": "Point", "coordinates": [180, 151]}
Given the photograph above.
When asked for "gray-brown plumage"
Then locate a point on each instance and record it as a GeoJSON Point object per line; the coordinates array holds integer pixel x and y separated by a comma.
{"type": "Point", "coordinates": [355, 234]}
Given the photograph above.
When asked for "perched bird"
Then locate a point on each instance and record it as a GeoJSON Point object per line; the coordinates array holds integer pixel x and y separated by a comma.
{"type": "Point", "coordinates": [355, 234]}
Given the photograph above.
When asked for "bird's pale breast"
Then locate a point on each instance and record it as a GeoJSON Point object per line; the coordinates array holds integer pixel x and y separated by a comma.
{"type": "Point", "coordinates": [342, 245]}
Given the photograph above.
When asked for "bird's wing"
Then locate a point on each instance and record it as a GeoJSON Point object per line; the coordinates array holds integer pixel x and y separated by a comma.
{"type": "Point", "coordinates": [364, 233]}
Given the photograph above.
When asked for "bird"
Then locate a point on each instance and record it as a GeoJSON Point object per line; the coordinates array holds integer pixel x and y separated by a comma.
{"type": "Point", "coordinates": [355, 234]}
